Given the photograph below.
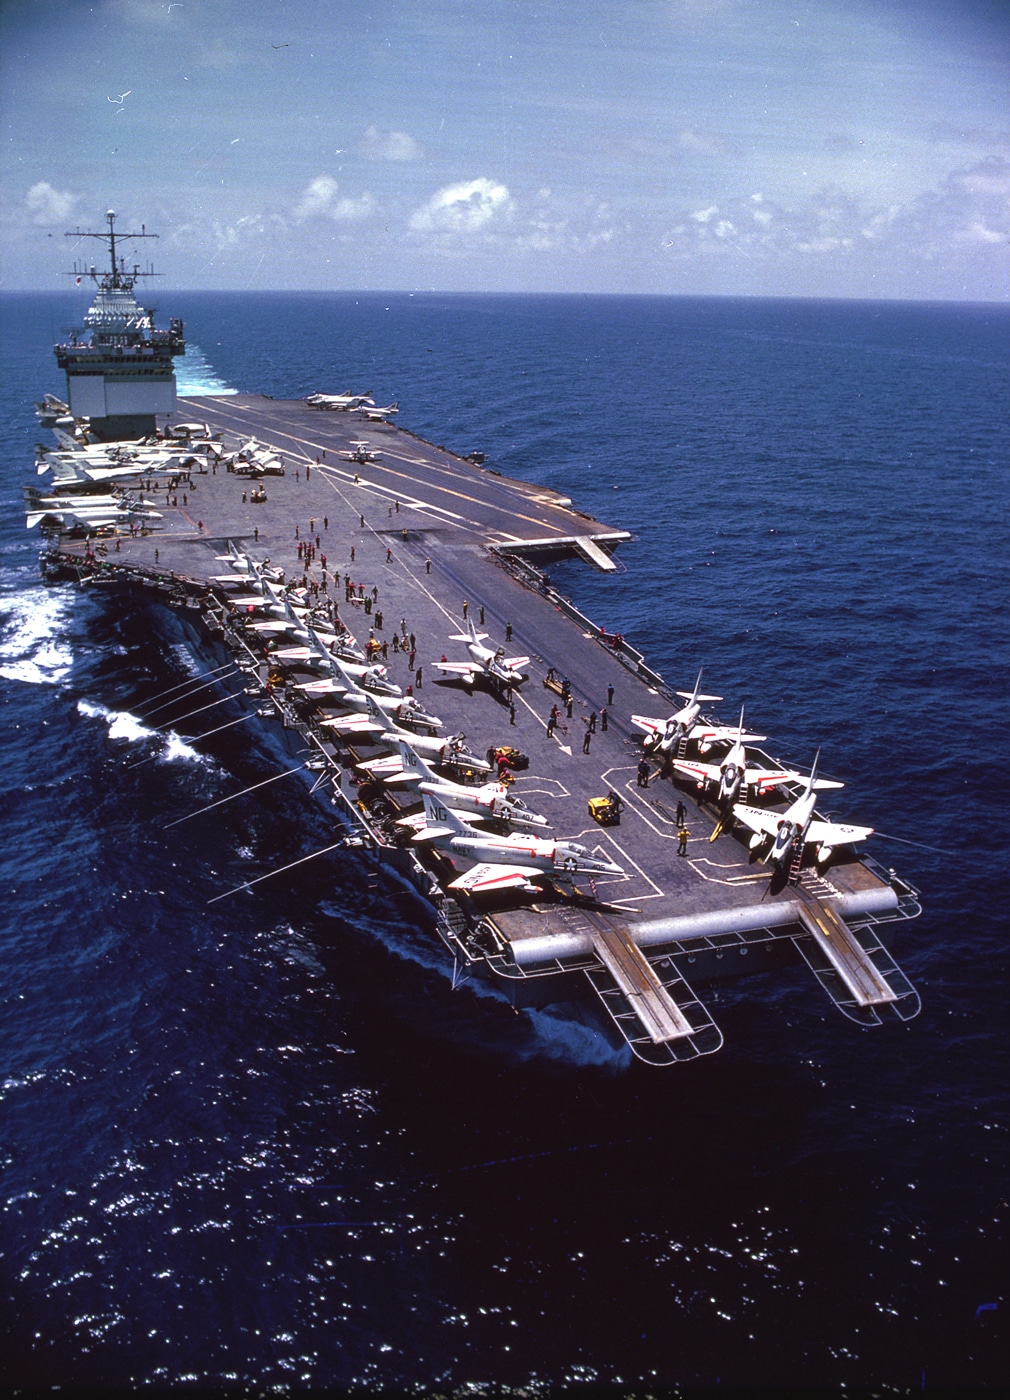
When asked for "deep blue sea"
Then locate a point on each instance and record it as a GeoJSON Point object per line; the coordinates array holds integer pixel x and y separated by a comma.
{"type": "Point", "coordinates": [267, 1143]}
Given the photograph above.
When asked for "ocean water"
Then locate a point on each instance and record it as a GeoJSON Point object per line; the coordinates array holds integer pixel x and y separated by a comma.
{"type": "Point", "coordinates": [267, 1142]}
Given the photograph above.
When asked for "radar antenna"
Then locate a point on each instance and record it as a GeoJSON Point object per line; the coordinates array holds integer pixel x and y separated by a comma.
{"type": "Point", "coordinates": [118, 278]}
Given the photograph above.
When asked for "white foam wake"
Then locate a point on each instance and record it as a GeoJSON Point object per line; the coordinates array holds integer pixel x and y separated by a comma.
{"type": "Point", "coordinates": [123, 725]}
{"type": "Point", "coordinates": [33, 643]}
{"type": "Point", "coordinates": [194, 374]}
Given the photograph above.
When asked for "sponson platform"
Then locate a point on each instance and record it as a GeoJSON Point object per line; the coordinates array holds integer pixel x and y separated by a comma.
{"type": "Point", "coordinates": [431, 541]}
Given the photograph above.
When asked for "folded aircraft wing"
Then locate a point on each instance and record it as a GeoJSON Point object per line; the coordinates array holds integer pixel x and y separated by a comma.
{"type": "Point", "coordinates": [486, 878]}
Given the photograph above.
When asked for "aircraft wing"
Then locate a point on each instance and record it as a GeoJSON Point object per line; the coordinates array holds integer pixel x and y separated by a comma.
{"type": "Point", "coordinates": [353, 724]}
{"type": "Point", "coordinates": [516, 661]}
{"type": "Point", "coordinates": [760, 821]}
{"type": "Point", "coordinates": [486, 878]}
{"type": "Point", "coordinates": [836, 833]}
{"type": "Point", "coordinates": [388, 765]}
{"type": "Point", "coordinates": [323, 687]}
{"type": "Point", "coordinates": [764, 779]}
{"type": "Point", "coordinates": [110, 473]}
{"type": "Point", "coordinates": [702, 773]}
{"type": "Point", "coordinates": [465, 669]}
{"type": "Point", "coordinates": [712, 733]}
{"type": "Point", "coordinates": [404, 777]}
{"type": "Point", "coordinates": [651, 726]}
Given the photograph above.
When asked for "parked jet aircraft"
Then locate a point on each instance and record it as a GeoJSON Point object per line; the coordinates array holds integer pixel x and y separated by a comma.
{"type": "Point", "coordinates": [354, 686]}
{"type": "Point", "coordinates": [377, 415]}
{"type": "Point", "coordinates": [89, 518]}
{"type": "Point", "coordinates": [662, 735]}
{"type": "Point", "coordinates": [734, 775]}
{"type": "Point", "coordinates": [495, 665]}
{"type": "Point", "coordinates": [360, 452]}
{"type": "Point", "coordinates": [490, 801]}
{"type": "Point", "coordinates": [338, 402]}
{"type": "Point", "coordinates": [779, 832]}
{"type": "Point", "coordinates": [505, 862]}
{"type": "Point", "coordinates": [437, 750]}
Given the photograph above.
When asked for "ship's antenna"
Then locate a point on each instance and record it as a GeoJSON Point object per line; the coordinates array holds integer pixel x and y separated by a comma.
{"type": "Point", "coordinates": [117, 277]}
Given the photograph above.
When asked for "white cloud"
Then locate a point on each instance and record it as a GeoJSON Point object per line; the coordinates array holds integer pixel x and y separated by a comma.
{"type": "Point", "coordinates": [990, 177]}
{"type": "Point", "coordinates": [979, 233]}
{"type": "Point", "coordinates": [346, 210]}
{"type": "Point", "coordinates": [388, 145]}
{"type": "Point", "coordinates": [49, 206]}
{"type": "Point", "coordinates": [316, 198]}
{"type": "Point", "coordinates": [319, 201]}
{"type": "Point", "coordinates": [966, 217]}
{"type": "Point", "coordinates": [462, 208]}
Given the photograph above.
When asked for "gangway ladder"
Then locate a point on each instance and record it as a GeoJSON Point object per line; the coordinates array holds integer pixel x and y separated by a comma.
{"type": "Point", "coordinates": [660, 1017]}
{"type": "Point", "coordinates": [862, 981]}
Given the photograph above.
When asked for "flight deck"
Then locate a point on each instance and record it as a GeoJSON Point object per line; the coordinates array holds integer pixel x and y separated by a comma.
{"type": "Point", "coordinates": [408, 538]}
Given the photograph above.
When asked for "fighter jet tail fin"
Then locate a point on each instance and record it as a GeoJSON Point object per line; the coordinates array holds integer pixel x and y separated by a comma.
{"type": "Point", "coordinates": [443, 818]}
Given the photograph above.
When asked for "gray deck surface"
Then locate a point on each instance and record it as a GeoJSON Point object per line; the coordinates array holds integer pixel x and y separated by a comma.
{"type": "Point", "coordinates": [449, 511]}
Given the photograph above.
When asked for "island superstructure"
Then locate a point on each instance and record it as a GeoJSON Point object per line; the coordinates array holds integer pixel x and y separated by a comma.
{"type": "Point", "coordinates": [378, 599]}
{"type": "Point", "coordinates": [121, 376]}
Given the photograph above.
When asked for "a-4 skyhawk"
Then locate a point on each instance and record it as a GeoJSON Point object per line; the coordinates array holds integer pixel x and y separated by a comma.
{"type": "Point", "coordinates": [356, 692]}
{"type": "Point", "coordinates": [338, 402]}
{"type": "Point", "coordinates": [663, 735]}
{"type": "Point", "coordinates": [492, 664]}
{"type": "Point", "coordinates": [778, 834]}
{"type": "Point", "coordinates": [734, 776]}
{"type": "Point", "coordinates": [387, 732]}
{"type": "Point", "coordinates": [489, 802]}
{"type": "Point", "coordinates": [361, 452]}
{"type": "Point", "coordinates": [505, 862]}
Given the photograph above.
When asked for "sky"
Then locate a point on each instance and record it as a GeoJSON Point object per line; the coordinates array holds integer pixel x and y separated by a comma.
{"type": "Point", "coordinates": [826, 148]}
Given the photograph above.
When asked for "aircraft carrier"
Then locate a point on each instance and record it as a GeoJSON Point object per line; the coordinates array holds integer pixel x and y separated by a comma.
{"type": "Point", "coordinates": [277, 530]}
